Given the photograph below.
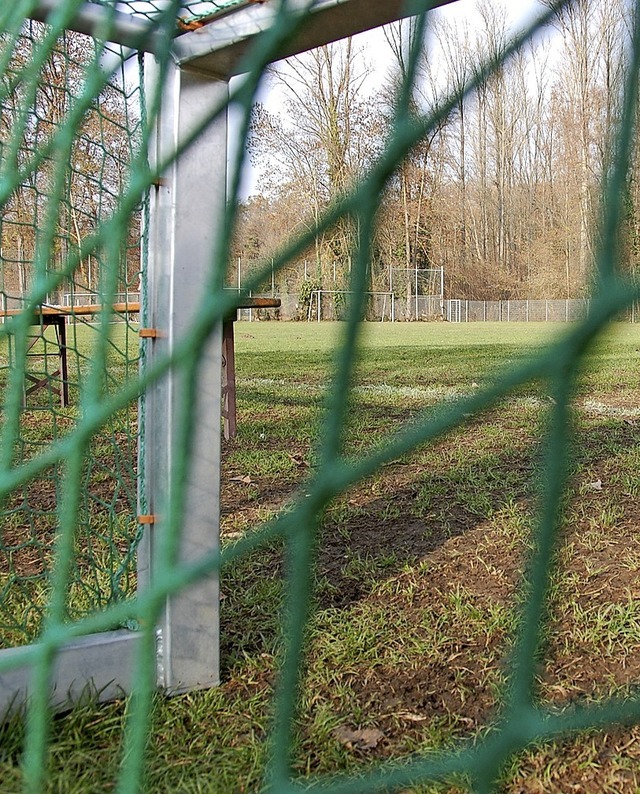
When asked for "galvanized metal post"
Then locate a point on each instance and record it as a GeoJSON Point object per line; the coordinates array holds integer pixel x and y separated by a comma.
{"type": "Point", "coordinates": [186, 216]}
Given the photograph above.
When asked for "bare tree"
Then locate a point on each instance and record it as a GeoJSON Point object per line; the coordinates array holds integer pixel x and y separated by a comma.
{"type": "Point", "coordinates": [507, 192]}
{"type": "Point", "coordinates": [93, 167]}
{"type": "Point", "coordinates": [407, 221]}
{"type": "Point", "coordinates": [326, 142]}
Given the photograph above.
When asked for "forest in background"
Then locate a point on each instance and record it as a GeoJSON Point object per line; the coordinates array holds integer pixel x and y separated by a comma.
{"type": "Point", "coordinates": [68, 186]}
{"type": "Point", "coordinates": [505, 194]}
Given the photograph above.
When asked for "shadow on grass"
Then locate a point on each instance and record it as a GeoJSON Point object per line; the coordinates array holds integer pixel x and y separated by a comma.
{"type": "Point", "coordinates": [378, 529]}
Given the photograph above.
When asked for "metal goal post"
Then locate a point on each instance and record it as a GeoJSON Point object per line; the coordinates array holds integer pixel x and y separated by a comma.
{"type": "Point", "coordinates": [327, 304]}
{"type": "Point", "coordinates": [172, 627]}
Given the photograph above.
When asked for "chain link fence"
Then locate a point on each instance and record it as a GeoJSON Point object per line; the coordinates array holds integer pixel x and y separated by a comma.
{"type": "Point", "coordinates": [389, 307]}
{"type": "Point", "coordinates": [526, 311]}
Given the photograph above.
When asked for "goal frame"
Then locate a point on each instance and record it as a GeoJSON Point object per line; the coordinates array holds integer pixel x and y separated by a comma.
{"type": "Point", "coordinates": [200, 67]}
{"type": "Point", "coordinates": [318, 293]}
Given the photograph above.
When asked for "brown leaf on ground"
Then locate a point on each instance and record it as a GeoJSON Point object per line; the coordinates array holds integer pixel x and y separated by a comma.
{"type": "Point", "coordinates": [364, 739]}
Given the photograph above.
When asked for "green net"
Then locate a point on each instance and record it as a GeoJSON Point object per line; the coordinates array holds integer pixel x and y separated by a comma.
{"type": "Point", "coordinates": [55, 333]}
{"type": "Point", "coordinates": [74, 175]}
{"type": "Point", "coordinates": [186, 12]}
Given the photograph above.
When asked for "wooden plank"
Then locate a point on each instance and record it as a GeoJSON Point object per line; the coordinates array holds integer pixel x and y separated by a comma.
{"type": "Point", "coordinates": [125, 308]}
{"type": "Point", "coordinates": [72, 311]}
{"type": "Point", "coordinates": [56, 315]}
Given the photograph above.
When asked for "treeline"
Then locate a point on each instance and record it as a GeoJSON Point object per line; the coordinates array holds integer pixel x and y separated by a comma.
{"type": "Point", "coordinates": [62, 187]}
{"type": "Point", "coordinates": [506, 191]}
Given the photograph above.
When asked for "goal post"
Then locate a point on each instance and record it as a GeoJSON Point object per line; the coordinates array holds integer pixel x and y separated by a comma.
{"type": "Point", "coordinates": [420, 291]}
{"type": "Point", "coordinates": [177, 515]}
{"type": "Point", "coordinates": [178, 276]}
{"type": "Point", "coordinates": [332, 304]}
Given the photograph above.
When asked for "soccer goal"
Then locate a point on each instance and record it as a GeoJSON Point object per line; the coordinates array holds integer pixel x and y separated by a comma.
{"type": "Point", "coordinates": [113, 158]}
{"type": "Point", "coordinates": [333, 304]}
{"type": "Point", "coordinates": [110, 438]}
{"type": "Point", "coordinates": [454, 310]}
{"type": "Point", "coordinates": [419, 292]}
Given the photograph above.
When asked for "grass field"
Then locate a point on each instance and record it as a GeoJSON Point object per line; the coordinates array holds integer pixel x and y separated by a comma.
{"type": "Point", "coordinates": [106, 529]}
{"type": "Point", "coordinates": [418, 570]}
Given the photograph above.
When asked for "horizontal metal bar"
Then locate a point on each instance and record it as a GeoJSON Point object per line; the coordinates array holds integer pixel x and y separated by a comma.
{"type": "Point", "coordinates": [106, 24]}
{"type": "Point", "coordinates": [98, 666]}
{"type": "Point", "coordinates": [219, 48]}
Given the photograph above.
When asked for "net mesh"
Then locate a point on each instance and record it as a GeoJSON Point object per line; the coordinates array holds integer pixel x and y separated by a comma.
{"type": "Point", "coordinates": [69, 527]}
{"type": "Point", "coordinates": [57, 193]}
{"type": "Point", "coordinates": [178, 17]}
